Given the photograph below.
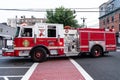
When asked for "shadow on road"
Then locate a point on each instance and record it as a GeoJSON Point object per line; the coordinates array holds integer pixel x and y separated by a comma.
{"type": "Point", "coordinates": [89, 57]}
{"type": "Point", "coordinates": [23, 60]}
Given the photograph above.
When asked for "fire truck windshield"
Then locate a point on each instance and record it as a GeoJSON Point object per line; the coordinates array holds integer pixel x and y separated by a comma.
{"type": "Point", "coordinates": [17, 32]}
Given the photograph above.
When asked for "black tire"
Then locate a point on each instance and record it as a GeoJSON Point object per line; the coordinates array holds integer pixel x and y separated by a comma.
{"type": "Point", "coordinates": [38, 54]}
{"type": "Point", "coordinates": [96, 51]}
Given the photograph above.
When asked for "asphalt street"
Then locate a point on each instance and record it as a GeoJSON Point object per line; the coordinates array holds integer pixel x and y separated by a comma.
{"type": "Point", "coordinates": [12, 68]}
{"type": "Point", "coordinates": [103, 68]}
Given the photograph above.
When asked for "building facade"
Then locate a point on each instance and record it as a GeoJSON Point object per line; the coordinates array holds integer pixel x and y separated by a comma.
{"type": "Point", "coordinates": [109, 17]}
{"type": "Point", "coordinates": [6, 33]}
{"type": "Point", "coordinates": [30, 21]}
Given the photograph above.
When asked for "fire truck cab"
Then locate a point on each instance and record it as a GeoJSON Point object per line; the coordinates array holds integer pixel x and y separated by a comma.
{"type": "Point", "coordinates": [45, 39]}
{"type": "Point", "coordinates": [37, 41]}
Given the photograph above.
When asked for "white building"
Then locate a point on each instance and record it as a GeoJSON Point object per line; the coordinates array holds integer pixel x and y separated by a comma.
{"type": "Point", "coordinates": [31, 21]}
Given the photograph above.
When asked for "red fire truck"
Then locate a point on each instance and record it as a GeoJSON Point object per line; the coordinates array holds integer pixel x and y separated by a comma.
{"type": "Point", "coordinates": [45, 39]}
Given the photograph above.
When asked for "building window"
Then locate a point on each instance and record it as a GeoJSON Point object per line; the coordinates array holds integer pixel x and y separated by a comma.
{"type": "Point", "coordinates": [112, 27]}
{"type": "Point", "coordinates": [33, 20]}
{"type": "Point", "coordinates": [30, 21]}
{"type": "Point", "coordinates": [112, 18]}
{"type": "Point", "coordinates": [112, 6]}
{"type": "Point", "coordinates": [104, 22]}
{"type": "Point", "coordinates": [119, 27]}
{"type": "Point", "coordinates": [101, 8]}
{"type": "Point", "coordinates": [108, 9]}
{"type": "Point", "coordinates": [108, 20]}
{"type": "Point", "coordinates": [108, 27]}
{"type": "Point", "coordinates": [119, 17]}
{"type": "Point", "coordinates": [26, 21]}
{"type": "Point", "coordinates": [22, 20]}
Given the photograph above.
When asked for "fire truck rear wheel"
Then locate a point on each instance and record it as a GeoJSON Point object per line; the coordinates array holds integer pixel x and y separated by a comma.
{"type": "Point", "coordinates": [38, 54]}
{"type": "Point", "coordinates": [96, 51]}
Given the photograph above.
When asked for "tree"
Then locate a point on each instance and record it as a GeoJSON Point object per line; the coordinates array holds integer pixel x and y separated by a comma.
{"type": "Point", "coordinates": [62, 16]}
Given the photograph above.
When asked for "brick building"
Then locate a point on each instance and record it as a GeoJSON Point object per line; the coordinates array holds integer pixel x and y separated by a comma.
{"type": "Point", "coordinates": [110, 17]}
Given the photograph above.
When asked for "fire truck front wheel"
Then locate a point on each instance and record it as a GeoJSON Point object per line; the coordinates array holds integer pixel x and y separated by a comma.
{"type": "Point", "coordinates": [96, 51]}
{"type": "Point", "coordinates": [38, 54]}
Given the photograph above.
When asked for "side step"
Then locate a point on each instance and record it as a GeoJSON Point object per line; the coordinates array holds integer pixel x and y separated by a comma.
{"type": "Point", "coordinates": [72, 53]}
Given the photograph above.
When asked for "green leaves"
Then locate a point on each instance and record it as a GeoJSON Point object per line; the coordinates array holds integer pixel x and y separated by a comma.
{"type": "Point", "coordinates": [63, 16]}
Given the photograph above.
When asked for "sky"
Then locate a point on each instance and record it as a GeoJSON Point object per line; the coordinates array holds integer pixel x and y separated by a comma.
{"type": "Point", "coordinates": [91, 17]}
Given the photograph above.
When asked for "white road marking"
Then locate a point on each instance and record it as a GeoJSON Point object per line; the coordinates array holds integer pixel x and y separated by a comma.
{"type": "Point", "coordinates": [81, 70]}
{"type": "Point", "coordinates": [5, 78]}
{"type": "Point", "coordinates": [118, 50]}
{"type": "Point", "coordinates": [29, 72]}
{"type": "Point", "coordinates": [14, 58]}
{"type": "Point", "coordinates": [13, 76]}
{"type": "Point", "coordinates": [12, 67]}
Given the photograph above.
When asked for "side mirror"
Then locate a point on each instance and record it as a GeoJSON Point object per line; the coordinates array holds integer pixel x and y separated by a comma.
{"type": "Point", "coordinates": [35, 36]}
{"type": "Point", "coordinates": [58, 39]}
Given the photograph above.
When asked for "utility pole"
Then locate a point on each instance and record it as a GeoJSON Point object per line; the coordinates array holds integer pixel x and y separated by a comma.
{"type": "Point", "coordinates": [83, 19]}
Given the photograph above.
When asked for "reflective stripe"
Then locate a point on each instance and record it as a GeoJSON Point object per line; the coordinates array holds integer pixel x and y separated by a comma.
{"type": "Point", "coordinates": [54, 47]}
{"type": "Point", "coordinates": [98, 31]}
{"type": "Point", "coordinates": [84, 46]}
{"type": "Point", "coordinates": [110, 45]}
{"type": "Point", "coordinates": [28, 48]}
{"type": "Point", "coordinates": [22, 48]}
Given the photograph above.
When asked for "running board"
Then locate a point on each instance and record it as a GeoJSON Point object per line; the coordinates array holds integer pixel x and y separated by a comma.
{"type": "Point", "coordinates": [72, 53]}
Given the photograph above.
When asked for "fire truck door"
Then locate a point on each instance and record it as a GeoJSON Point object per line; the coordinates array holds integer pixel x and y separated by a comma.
{"type": "Point", "coordinates": [52, 39]}
{"type": "Point", "coordinates": [26, 39]}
